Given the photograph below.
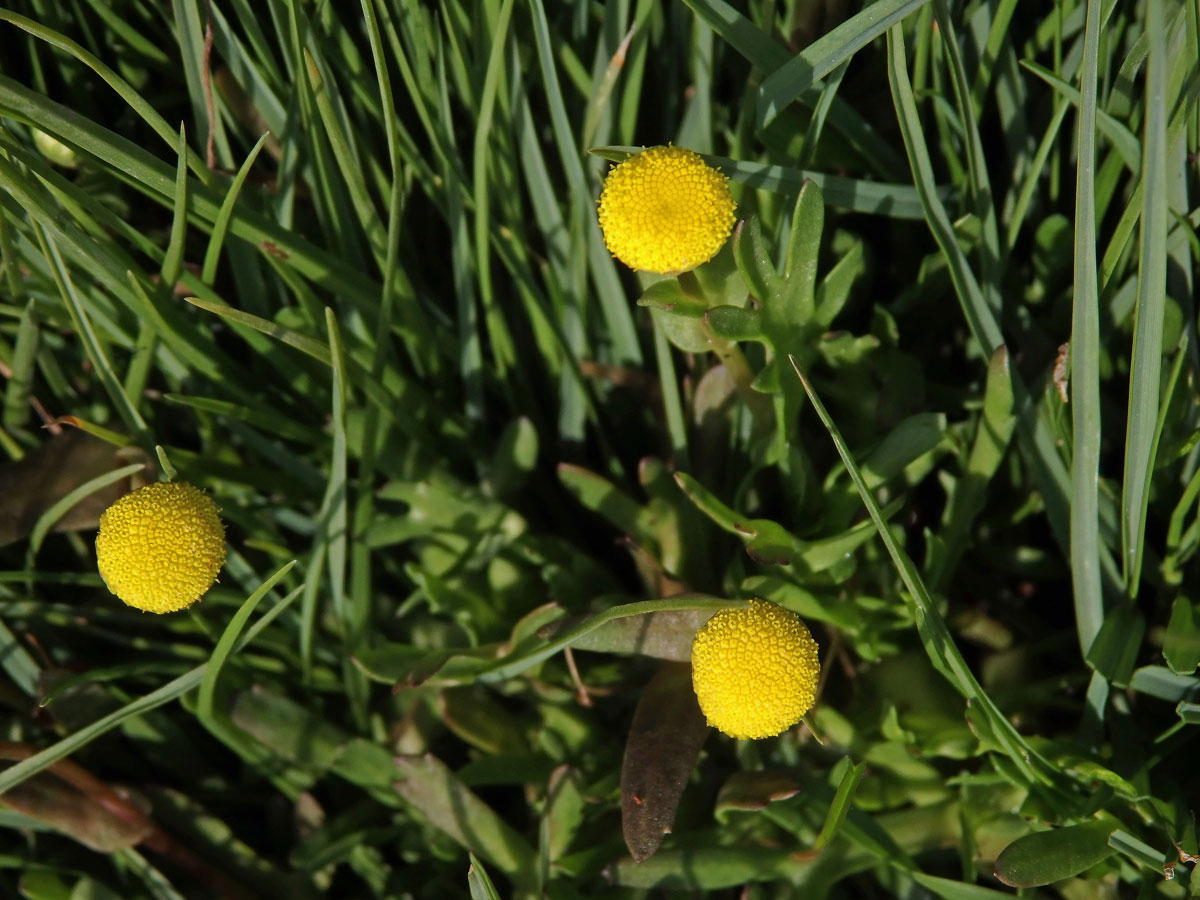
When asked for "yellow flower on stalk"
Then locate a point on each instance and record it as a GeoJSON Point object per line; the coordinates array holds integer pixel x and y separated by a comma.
{"type": "Point", "coordinates": [665, 210]}
{"type": "Point", "coordinates": [754, 670]}
{"type": "Point", "coordinates": [160, 547]}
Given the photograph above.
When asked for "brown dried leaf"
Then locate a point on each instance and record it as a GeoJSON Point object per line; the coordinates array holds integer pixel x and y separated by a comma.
{"type": "Point", "coordinates": [48, 799]}
{"type": "Point", "coordinates": [44, 476]}
{"type": "Point", "coordinates": [664, 742]}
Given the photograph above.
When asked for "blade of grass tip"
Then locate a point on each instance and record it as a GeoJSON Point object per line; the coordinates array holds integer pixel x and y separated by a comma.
{"type": "Point", "coordinates": [212, 255]}
{"type": "Point", "coordinates": [978, 313]}
{"type": "Point", "coordinates": [990, 261]}
{"type": "Point", "coordinates": [1145, 374]}
{"type": "Point", "coordinates": [935, 635]}
{"type": "Point", "coordinates": [1085, 359]}
{"type": "Point", "coordinates": [140, 363]}
{"type": "Point", "coordinates": [826, 53]}
{"type": "Point", "coordinates": [1034, 176]}
{"type": "Point", "coordinates": [301, 342]}
{"type": "Point", "coordinates": [57, 510]}
{"type": "Point", "coordinates": [27, 768]}
{"type": "Point", "coordinates": [841, 804]}
{"type": "Point", "coordinates": [83, 326]}
{"type": "Point", "coordinates": [346, 162]}
{"type": "Point", "coordinates": [479, 882]}
{"type": "Point", "coordinates": [169, 470]}
{"type": "Point", "coordinates": [225, 646]}
{"type": "Point", "coordinates": [816, 125]}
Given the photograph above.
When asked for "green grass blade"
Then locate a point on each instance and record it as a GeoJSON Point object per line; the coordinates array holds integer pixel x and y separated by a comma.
{"type": "Point", "coordinates": [21, 368]}
{"type": "Point", "coordinates": [1141, 429]}
{"type": "Point", "coordinates": [1085, 361]}
{"type": "Point", "coordinates": [61, 749]}
{"type": "Point", "coordinates": [939, 644]}
{"type": "Point", "coordinates": [212, 255]}
{"type": "Point", "coordinates": [60, 508]}
{"type": "Point", "coordinates": [501, 341]}
{"type": "Point", "coordinates": [990, 252]}
{"type": "Point", "coordinates": [826, 53]}
{"type": "Point", "coordinates": [978, 312]}
{"type": "Point", "coordinates": [75, 303]}
{"type": "Point", "coordinates": [172, 263]}
{"type": "Point", "coordinates": [229, 639]}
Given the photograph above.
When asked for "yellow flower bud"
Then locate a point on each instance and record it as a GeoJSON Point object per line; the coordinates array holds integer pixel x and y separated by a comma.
{"type": "Point", "coordinates": [754, 670]}
{"type": "Point", "coordinates": [160, 547]}
{"type": "Point", "coordinates": [665, 210]}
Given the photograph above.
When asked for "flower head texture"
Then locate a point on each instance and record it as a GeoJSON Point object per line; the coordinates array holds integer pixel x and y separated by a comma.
{"type": "Point", "coordinates": [160, 547]}
{"type": "Point", "coordinates": [665, 210]}
{"type": "Point", "coordinates": [754, 670]}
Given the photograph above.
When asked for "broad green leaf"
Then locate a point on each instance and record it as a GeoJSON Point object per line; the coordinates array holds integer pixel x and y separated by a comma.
{"type": "Point", "coordinates": [1045, 857]}
{"type": "Point", "coordinates": [1181, 644]}
{"type": "Point", "coordinates": [434, 790]}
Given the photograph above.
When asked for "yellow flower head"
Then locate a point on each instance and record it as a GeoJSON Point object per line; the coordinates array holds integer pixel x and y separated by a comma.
{"type": "Point", "coordinates": [665, 210]}
{"type": "Point", "coordinates": [754, 670]}
{"type": "Point", "coordinates": [160, 547]}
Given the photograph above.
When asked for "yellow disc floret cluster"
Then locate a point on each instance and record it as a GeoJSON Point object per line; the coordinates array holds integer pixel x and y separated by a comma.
{"type": "Point", "coordinates": [665, 210]}
{"type": "Point", "coordinates": [755, 670]}
{"type": "Point", "coordinates": [160, 547]}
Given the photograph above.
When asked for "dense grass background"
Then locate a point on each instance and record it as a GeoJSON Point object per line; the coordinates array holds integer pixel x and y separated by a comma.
{"type": "Point", "coordinates": [338, 264]}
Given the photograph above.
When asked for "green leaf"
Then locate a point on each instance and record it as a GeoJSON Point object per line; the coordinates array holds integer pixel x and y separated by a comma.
{"type": "Point", "coordinates": [841, 804]}
{"type": "Point", "coordinates": [1181, 644]}
{"type": "Point", "coordinates": [438, 794]}
{"type": "Point", "coordinates": [1049, 856]}
{"type": "Point", "coordinates": [1085, 360]}
{"type": "Point", "coordinates": [1115, 650]}
{"type": "Point", "coordinates": [732, 323]}
{"type": "Point", "coordinates": [479, 883]}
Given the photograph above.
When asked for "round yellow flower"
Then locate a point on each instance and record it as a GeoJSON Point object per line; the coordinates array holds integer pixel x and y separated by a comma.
{"type": "Point", "coordinates": [160, 547]}
{"type": "Point", "coordinates": [754, 670]}
{"type": "Point", "coordinates": [665, 210]}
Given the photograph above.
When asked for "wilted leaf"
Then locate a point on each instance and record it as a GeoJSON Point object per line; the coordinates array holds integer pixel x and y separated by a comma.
{"type": "Point", "coordinates": [754, 790]}
{"type": "Point", "coordinates": [664, 742]}
{"type": "Point", "coordinates": [1049, 856]}
{"type": "Point", "coordinates": [49, 799]}
{"type": "Point", "coordinates": [34, 483]}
